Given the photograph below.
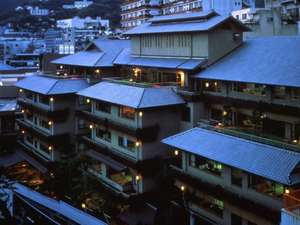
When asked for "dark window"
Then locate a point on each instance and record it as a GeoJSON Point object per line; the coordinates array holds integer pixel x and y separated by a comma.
{"type": "Point", "coordinates": [236, 220]}
{"type": "Point", "coordinates": [103, 107]}
{"type": "Point", "coordinates": [237, 177]}
{"type": "Point", "coordinates": [44, 99]}
{"type": "Point", "coordinates": [186, 114]}
{"type": "Point", "coordinates": [103, 134]}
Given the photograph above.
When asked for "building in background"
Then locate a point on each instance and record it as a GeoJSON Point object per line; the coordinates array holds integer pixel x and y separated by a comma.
{"type": "Point", "coordinates": [37, 11]}
{"type": "Point", "coordinates": [78, 4]}
{"type": "Point", "coordinates": [178, 6]}
{"type": "Point", "coordinates": [136, 12]}
{"type": "Point", "coordinates": [79, 32]}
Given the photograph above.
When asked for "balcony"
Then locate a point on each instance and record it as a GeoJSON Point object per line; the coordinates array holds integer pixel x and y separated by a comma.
{"type": "Point", "coordinates": [251, 136]}
{"type": "Point", "coordinates": [55, 115]}
{"type": "Point", "coordinates": [61, 138]}
{"type": "Point", "coordinates": [147, 134]}
{"type": "Point", "coordinates": [290, 214]}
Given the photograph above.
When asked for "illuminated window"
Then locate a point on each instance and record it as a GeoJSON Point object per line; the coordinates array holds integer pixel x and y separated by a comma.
{"type": "Point", "coordinates": [127, 112]}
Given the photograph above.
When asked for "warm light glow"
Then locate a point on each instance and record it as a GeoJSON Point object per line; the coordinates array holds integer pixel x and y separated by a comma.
{"type": "Point", "coordinates": [88, 100]}
{"type": "Point", "coordinates": [52, 174]}
{"type": "Point", "coordinates": [51, 99]}
{"type": "Point", "coordinates": [136, 72]}
{"type": "Point", "coordinates": [137, 144]}
{"type": "Point", "coordinates": [181, 75]}
{"type": "Point", "coordinates": [50, 123]}
{"type": "Point", "coordinates": [176, 152]}
{"type": "Point", "coordinates": [287, 191]}
{"type": "Point", "coordinates": [182, 188]}
{"type": "Point", "coordinates": [220, 124]}
{"type": "Point", "coordinates": [140, 114]}
{"type": "Point", "coordinates": [91, 126]}
{"type": "Point", "coordinates": [225, 113]}
{"type": "Point", "coordinates": [295, 141]}
{"type": "Point", "coordinates": [23, 111]}
{"type": "Point", "coordinates": [216, 84]}
{"type": "Point", "coordinates": [130, 79]}
{"type": "Point", "coordinates": [50, 148]}
{"type": "Point", "coordinates": [206, 84]}
{"type": "Point", "coordinates": [61, 67]}
{"type": "Point", "coordinates": [23, 131]}
{"type": "Point", "coordinates": [65, 74]}
{"type": "Point", "coordinates": [137, 177]}
{"type": "Point", "coordinates": [83, 205]}
{"type": "Point", "coordinates": [20, 90]}
{"type": "Point", "coordinates": [97, 71]}
{"type": "Point", "coordinates": [57, 73]}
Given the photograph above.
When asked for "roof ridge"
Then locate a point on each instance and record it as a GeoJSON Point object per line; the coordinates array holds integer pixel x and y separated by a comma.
{"type": "Point", "coordinates": [249, 141]}
{"type": "Point", "coordinates": [144, 90]}
{"type": "Point", "coordinates": [52, 86]}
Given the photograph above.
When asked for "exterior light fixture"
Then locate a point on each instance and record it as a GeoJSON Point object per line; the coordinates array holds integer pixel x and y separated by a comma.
{"type": "Point", "coordinates": [295, 141]}
{"type": "Point", "coordinates": [23, 131]}
{"type": "Point", "coordinates": [216, 83]}
{"type": "Point", "coordinates": [225, 113]}
{"type": "Point", "coordinates": [137, 144]}
{"type": "Point", "coordinates": [91, 126]}
{"type": "Point", "coordinates": [130, 79]}
{"type": "Point", "coordinates": [50, 123]}
{"type": "Point", "coordinates": [51, 99]}
{"type": "Point", "coordinates": [83, 205]}
{"type": "Point", "coordinates": [65, 74]}
{"type": "Point", "coordinates": [140, 114]}
{"type": "Point", "coordinates": [138, 177]}
{"type": "Point", "coordinates": [176, 152]}
{"type": "Point", "coordinates": [206, 84]}
{"type": "Point", "coordinates": [182, 188]}
{"type": "Point", "coordinates": [20, 90]}
{"type": "Point", "coordinates": [287, 191]}
{"type": "Point", "coordinates": [61, 67]}
{"type": "Point", "coordinates": [220, 124]}
{"type": "Point", "coordinates": [97, 71]}
{"type": "Point", "coordinates": [57, 73]}
{"type": "Point", "coordinates": [88, 100]}
{"type": "Point", "coordinates": [22, 111]}
{"type": "Point", "coordinates": [50, 148]}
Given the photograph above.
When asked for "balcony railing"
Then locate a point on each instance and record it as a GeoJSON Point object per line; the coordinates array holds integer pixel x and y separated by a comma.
{"type": "Point", "coordinates": [251, 137]}
{"type": "Point", "coordinates": [291, 202]}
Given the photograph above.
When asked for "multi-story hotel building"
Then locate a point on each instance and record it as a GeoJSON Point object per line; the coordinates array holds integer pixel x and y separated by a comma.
{"type": "Point", "coordinates": [239, 126]}
{"type": "Point", "coordinates": [179, 6]}
{"type": "Point", "coordinates": [126, 124]}
{"type": "Point", "coordinates": [136, 12]}
{"type": "Point", "coordinates": [48, 105]}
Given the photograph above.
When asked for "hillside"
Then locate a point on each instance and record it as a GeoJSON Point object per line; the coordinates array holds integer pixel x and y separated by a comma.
{"type": "Point", "coordinates": [108, 9]}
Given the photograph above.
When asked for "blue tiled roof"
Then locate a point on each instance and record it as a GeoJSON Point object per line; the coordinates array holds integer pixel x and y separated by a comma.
{"type": "Point", "coordinates": [132, 96]}
{"type": "Point", "coordinates": [5, 67]}
{"type": "Point", "coordinates": [52, 86]}
{"type": "Point", "coordinates": [103, 56]}
{"type": "Point", "coordinates": [125, 58]}
{"type": "Point", "coordinates": [168, 26]}
{"type": "Point", "coordinates": [266, 161]}
{"type": "Point", "coordinates": [268, 60]}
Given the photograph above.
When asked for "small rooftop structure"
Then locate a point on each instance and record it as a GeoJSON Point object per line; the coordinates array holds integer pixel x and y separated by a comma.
{"type": "Point", "coordinates": [263, 160]}
{"type": "Point", "coordinates": [185, 22]}
{"type": "Point", "coordinates": [265, 60]}
{"type": "Point", "coordinates": [100, 53]}
{"type": "Point", "coordinates": [47, 85]}
{"type": "Point", "coordinates": [132, 96]}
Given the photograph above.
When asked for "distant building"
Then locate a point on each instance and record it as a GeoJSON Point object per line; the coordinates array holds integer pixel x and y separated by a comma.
{"type": "Point", "coordinates": [224, 7]}
{"type": "Point", "coordinates": [78, 4]}
{"type": "Point", "coordinates": [178, 6]}
{"type": "Point", "coordinates": [136, 12]}
{"type": "Point", "coordinates": [78, 32]}
{"type": "Point", "coordinates": [36, 11]}
{"type": "Point", "coordinates": [53, 38]}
